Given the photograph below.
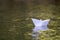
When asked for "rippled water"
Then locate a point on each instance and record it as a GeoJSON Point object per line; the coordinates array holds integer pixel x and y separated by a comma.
{"type": "Point", "coordinates": [15, 19]}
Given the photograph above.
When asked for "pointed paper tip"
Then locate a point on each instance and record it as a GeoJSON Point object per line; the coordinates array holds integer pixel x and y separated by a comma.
{"type": "Point", "coordinates": [48, 19]}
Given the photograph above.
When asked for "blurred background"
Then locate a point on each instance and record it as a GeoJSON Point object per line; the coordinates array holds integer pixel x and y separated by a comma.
{"type": "Point", "coordinates": [15, 17]}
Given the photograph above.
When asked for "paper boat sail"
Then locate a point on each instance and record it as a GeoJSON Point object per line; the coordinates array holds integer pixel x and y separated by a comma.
{"type": "Point", "coordinates": [40, 25]}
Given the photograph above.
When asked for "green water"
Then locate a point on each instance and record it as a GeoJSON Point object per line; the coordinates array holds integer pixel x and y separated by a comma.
{"type": "Point", "coordinates": [16, 24]}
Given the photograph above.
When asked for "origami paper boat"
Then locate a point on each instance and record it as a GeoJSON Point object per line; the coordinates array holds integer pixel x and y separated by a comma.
{"type": "Point", "coordinates": [40, 25]}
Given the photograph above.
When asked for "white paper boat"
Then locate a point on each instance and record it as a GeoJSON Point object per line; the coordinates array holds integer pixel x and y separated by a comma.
{"type": "Point", "coordinates": [40, 25]}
